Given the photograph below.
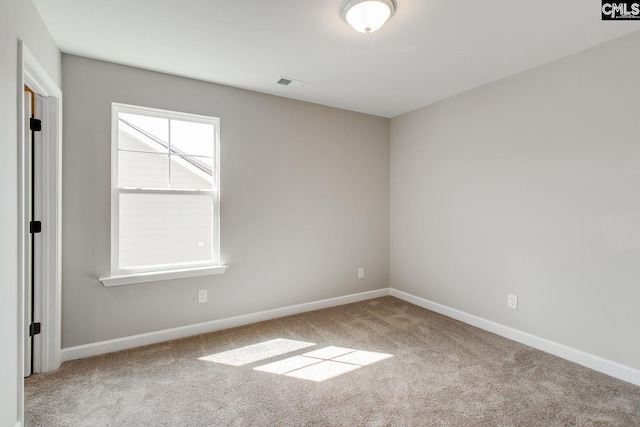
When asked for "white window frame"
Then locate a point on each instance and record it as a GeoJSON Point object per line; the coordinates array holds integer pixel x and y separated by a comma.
{"type": "Point", "coordinates": [120, 276]}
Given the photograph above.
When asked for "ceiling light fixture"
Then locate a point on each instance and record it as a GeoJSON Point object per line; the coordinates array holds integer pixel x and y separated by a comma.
{"type": "Point", "coordinates": [367, 16]}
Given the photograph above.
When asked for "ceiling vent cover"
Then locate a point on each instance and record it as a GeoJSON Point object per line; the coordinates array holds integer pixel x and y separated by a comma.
{"type": "Point", "coordinates": [289, 82]}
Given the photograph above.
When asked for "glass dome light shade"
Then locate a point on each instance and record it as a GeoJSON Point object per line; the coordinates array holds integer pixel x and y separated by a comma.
{"type": "Point", "coordinates": [367, 16]}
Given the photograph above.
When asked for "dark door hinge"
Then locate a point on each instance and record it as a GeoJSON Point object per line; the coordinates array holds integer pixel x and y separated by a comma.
{"type": "Point", "coordinates": [35, 227]}
{"type": "Point", "coordinates": [35, 125]}
{"type": "Point", "coordinates": [35, 329]}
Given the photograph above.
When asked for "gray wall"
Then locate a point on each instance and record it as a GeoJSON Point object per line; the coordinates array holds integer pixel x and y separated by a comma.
{"type": "Point", "coordinates": [305, 202]}
{"type": "Point", "coordinates": [530, 186]}
{"type": "Point", "coordinates": [18, 19]}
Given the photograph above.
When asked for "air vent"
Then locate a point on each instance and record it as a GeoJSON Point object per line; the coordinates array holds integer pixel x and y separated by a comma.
{"type": "Point", "coordinates": [289, 82]}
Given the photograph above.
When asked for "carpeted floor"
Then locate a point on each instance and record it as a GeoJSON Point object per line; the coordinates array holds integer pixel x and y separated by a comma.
{"type": "Point", "coordinates": [407, 367]}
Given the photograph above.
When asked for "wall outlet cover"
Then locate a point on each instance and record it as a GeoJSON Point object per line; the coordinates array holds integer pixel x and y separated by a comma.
{"type": "Point", "coordinates": [202, 296]}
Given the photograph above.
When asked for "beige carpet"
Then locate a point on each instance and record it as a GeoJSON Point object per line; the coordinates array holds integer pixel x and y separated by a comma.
{"type": "Point", "coordinates": [406, 367]}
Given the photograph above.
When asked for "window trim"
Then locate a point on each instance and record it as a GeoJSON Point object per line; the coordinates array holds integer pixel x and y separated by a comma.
{"type": "Point", "coordinates": [120, 276]}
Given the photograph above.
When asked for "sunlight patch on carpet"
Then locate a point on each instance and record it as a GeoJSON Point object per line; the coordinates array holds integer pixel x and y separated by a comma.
{"type": "Point", "coordinates": [282, 367]}
{"type": "Point", "coordinates": [362, 358]}
{"type": "Point", "coordinates": [323, 371]}
{"type": "Point", "coordinates": [317, 365]}
{"type": "Point", "coordinates": [256, 352]}
{"type": "Point", "coordinates": [329, 352]}
{"type": "Point", "coordinates": [322, 364]}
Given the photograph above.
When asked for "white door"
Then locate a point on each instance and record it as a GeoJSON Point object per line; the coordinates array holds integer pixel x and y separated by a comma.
{"type": "Point", "coordinates": [34, 186]}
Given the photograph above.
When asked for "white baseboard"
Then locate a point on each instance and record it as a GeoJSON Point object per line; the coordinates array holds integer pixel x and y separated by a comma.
{"type": "Point", "coordinates": [18, 424]}
{"type": "Point", "coordinates": [109, 346]}
{"type": "Point", "coordinates": [596, 363]}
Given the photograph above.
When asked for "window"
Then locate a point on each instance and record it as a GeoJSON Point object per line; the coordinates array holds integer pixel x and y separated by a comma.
{"type": "Point", "coordinates": [165, 195]}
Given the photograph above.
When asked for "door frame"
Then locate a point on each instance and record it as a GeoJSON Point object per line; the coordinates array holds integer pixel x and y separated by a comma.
{"type": "Point", "coordinates": [32, 74]}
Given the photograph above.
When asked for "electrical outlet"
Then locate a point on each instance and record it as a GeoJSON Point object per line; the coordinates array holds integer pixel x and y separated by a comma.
{"type": "Point", "coordinates": [512, 301]}
{"type": "Point", "coordinates": [202, 296]}
{"type": "Point", "coordinates": [361, 273]}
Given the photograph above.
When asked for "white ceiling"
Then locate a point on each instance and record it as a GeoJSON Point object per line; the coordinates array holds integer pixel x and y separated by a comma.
{"type": "Point", "coordinates": [428, 51]}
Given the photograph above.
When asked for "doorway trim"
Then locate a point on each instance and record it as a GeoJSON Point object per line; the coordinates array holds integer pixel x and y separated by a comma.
{"type": "Point", "coordinates": [32, 74]}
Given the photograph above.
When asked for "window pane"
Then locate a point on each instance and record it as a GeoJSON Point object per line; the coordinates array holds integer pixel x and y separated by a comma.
{"type": "Point", "coordinates": [158, 229]}
{"type": "Point", "coordinates": [191, 173]}
{"type": "Point", "coordinates": [141, 170]}
{"type": "Point", "coordinates": [131, 139]}
{"type": "Point", "coordinates": [154, 127]}
{"type": "Point", "coordinates": [191, 138]}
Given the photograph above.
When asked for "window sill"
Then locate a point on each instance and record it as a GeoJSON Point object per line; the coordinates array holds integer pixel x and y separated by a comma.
{"type": "Point", "coordinates": [156, 276]}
